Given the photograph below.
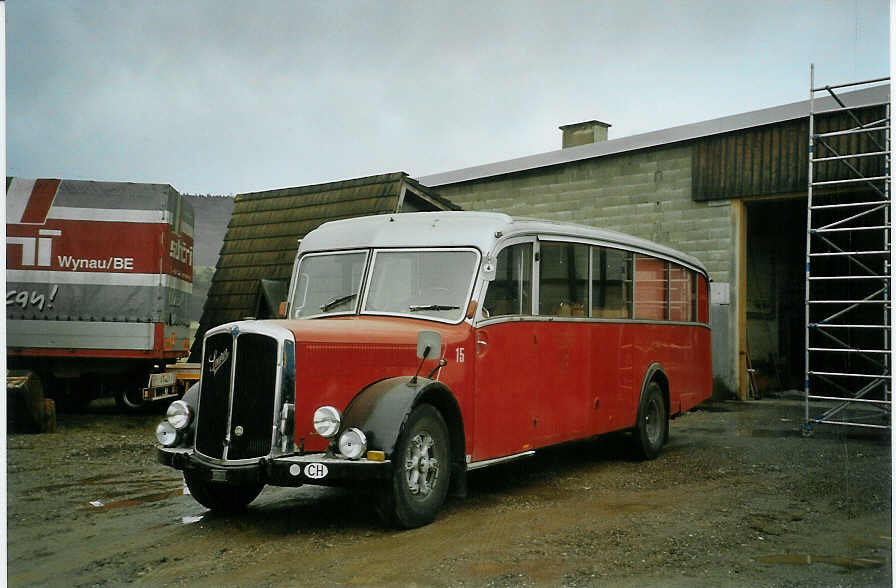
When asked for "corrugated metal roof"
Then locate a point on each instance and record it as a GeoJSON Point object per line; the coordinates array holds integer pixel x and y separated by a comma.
{"type": "Point", "coordinates": [264, 229]}
{"type": "Point", "coordinates": [866, 97]}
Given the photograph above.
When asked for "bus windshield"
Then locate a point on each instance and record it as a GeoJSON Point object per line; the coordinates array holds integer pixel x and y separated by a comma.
{"type": "Point", "coordinates": [424, 283]}
{"type": "Point", "coordinates": [433, 283]}
{"type": "Point", "coordinates": [328, 283]}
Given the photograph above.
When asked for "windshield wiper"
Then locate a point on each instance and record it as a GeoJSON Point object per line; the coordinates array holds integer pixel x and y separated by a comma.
{"type": "Point", "coordinates": [419, 307]}
{"type": "Point", "coordinates": [336, 300]}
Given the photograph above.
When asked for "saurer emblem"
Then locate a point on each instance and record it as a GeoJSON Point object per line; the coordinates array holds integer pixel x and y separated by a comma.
{"type": "Point", "coordinates": [218, 359]}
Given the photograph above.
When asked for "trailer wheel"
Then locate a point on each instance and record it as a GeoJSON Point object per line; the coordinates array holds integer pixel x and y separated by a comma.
{"type": "Point", "coordinates": [27, 409]}
{"type": "Point", "coordinates": [421, 471]}
{"type": "Point", "coordinates": [221, 497]}
{"type": "Point", "coordinates": [652, 430]}
{"type": "Point", "coordinates": [128, 398]}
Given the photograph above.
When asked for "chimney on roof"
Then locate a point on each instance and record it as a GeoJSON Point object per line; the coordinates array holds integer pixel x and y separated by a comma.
{"type": "Point", "coordinates": [583, 133]}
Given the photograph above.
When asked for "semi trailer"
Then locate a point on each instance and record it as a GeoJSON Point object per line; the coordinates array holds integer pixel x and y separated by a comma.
{"type": "Point", "coordinates": [99, 277]}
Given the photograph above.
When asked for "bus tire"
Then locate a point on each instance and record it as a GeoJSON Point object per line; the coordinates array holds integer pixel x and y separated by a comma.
{"type": "Point", "coordinates": [421, 471]}
{"type": "Point", "coordinates": [223, 498]}
{"type": "Point", "coordinates": [652, 430]}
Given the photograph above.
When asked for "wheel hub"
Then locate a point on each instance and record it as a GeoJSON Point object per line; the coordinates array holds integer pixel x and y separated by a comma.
{"type": "Point", "coordinates": [652, 422]}
{"type": "Point", "coordinates": [421, 466]}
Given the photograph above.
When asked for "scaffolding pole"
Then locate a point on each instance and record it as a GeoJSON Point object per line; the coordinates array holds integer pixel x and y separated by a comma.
{"type": "Point", "coordinates": [848, 375]}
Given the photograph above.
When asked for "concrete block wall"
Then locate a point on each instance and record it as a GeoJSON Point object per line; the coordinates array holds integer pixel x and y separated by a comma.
{"type": "Point", "coordinates": [646, 194]}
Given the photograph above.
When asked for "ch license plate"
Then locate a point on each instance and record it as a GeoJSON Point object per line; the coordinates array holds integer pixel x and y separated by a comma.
{"type": "Point", "coordinates": [316, 471]}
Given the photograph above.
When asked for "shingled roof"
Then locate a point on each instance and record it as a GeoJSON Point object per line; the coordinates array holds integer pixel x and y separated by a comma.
{"type": "Point", "coordinates": [264, 228]}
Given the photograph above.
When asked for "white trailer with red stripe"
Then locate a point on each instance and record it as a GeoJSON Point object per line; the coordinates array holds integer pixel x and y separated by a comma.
{"type": "Point", "coordinates": [98, 281]}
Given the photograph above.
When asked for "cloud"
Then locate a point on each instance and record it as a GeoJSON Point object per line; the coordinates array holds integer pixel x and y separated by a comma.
{"type": "Point", "coordinates": [227, 97]}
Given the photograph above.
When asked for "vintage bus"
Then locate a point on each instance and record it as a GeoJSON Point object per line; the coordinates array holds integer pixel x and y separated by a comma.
{"type": "Point", "coordinates": [418, 347]}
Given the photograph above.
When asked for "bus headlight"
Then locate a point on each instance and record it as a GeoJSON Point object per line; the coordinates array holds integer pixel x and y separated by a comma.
{"type": "Point", "coordinates": [167, 435]}
{"type": "Point", "coordinates": [352, 443]}
{"type": "Point", "coordinates": [179, 415]}
{"type": "Point", "coordinates": [326, 421]}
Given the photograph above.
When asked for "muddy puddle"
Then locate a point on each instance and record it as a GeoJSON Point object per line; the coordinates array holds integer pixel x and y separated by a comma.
{"type": "Point", "coordinates": [137, 500]}
{"type": "Point", "coordinates": [849, 563]}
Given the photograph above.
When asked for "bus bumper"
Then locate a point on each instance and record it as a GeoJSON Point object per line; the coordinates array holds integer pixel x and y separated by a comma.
{"type": "Point", "coordinates": [289, 470]}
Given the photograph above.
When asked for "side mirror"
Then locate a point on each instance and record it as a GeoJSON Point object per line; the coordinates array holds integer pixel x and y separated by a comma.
{"type": "Point", "coordinates": [281, 312]}
{"type": "Point", "coordinates": [429, 344]}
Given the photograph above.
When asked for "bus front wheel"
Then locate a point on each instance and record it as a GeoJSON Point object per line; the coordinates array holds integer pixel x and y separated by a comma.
{"type": "Point", "coordinates": [652, 430]}
{"type": "Point", "coordinates": [421, 471]}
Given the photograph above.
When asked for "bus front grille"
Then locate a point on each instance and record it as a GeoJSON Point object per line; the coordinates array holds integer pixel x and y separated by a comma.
{"type": "Point", "coordinates": [236, 399]}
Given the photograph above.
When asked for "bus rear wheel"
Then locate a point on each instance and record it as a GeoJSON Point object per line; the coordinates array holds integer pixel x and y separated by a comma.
{"type": "Point", "coordinates": [652, 430]}
{"type": "Point", "coordinates": [421, 470]}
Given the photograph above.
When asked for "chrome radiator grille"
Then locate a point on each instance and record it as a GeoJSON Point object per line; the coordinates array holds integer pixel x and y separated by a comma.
{"type": "Point", "coordinates": [236, 400]}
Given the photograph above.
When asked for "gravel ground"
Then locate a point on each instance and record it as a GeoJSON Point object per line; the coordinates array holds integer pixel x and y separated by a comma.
{"type": "Point", "coordinates": [737, 498]}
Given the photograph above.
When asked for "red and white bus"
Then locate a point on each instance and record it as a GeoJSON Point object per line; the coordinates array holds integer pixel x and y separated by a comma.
{"type": "Point", "coordinates": [418, 347]}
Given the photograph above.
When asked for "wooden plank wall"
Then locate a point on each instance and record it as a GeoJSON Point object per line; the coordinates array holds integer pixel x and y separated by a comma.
{"type": "Point", "coordinates": [774, 159]}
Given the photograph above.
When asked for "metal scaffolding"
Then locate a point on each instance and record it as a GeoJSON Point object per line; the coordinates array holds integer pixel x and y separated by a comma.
{"type": "Point", "coordinates": [848, 366]}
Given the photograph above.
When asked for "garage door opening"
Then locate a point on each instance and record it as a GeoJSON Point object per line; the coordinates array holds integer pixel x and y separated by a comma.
{"type": "Point", "coordinates": [775, 293]}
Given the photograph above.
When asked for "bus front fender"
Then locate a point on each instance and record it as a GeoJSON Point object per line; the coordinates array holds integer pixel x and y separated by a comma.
{"type": "Point", "coordinates": [381, 409]}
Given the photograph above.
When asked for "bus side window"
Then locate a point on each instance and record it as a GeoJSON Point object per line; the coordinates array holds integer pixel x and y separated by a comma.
{"type": "Point", "coordinates": [694, 296]}
{"type": "Point", "coordinates": [611, 271]}
{"type": "Point", "coordinates": [702, 296]}
{"type": "Point", "coordinates": [511, 291]}
{"type": "Point", "coordinates": [651, 291]}
{"type": "Point", "coordinates": [680, 294]}
{"type": "Point", "coordinates": [563, 279]}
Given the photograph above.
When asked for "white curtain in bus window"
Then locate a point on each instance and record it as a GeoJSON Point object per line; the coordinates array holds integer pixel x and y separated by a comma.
{"type": "Point", "coordinates": [511, 290]}
{"type": "Point", "coordinates": [563, 279]}
{"type": "Point", "coordinates": [680, 294]}
{"type": "Point", "coordinates": [695, 295]}
{"type": "Point", "coordinates": [610, 283]}
{"type": "Point", "coordinates": [650, 288]}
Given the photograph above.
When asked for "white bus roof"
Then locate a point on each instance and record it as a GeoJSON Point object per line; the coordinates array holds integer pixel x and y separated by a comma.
{"type": "Point", "coordinates": [466, 229]}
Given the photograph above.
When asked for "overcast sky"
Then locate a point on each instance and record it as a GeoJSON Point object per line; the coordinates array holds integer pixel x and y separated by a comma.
{"type": "Point", "coordinates": [228, 97]}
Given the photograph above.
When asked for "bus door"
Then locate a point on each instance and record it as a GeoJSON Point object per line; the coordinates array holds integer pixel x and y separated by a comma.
{"type": "Point", "coordinates": [507, 365]}
{"type": "Point", "coordinates": [612, 343]}
{"type": "Point", "coordinates": [563, 342]}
